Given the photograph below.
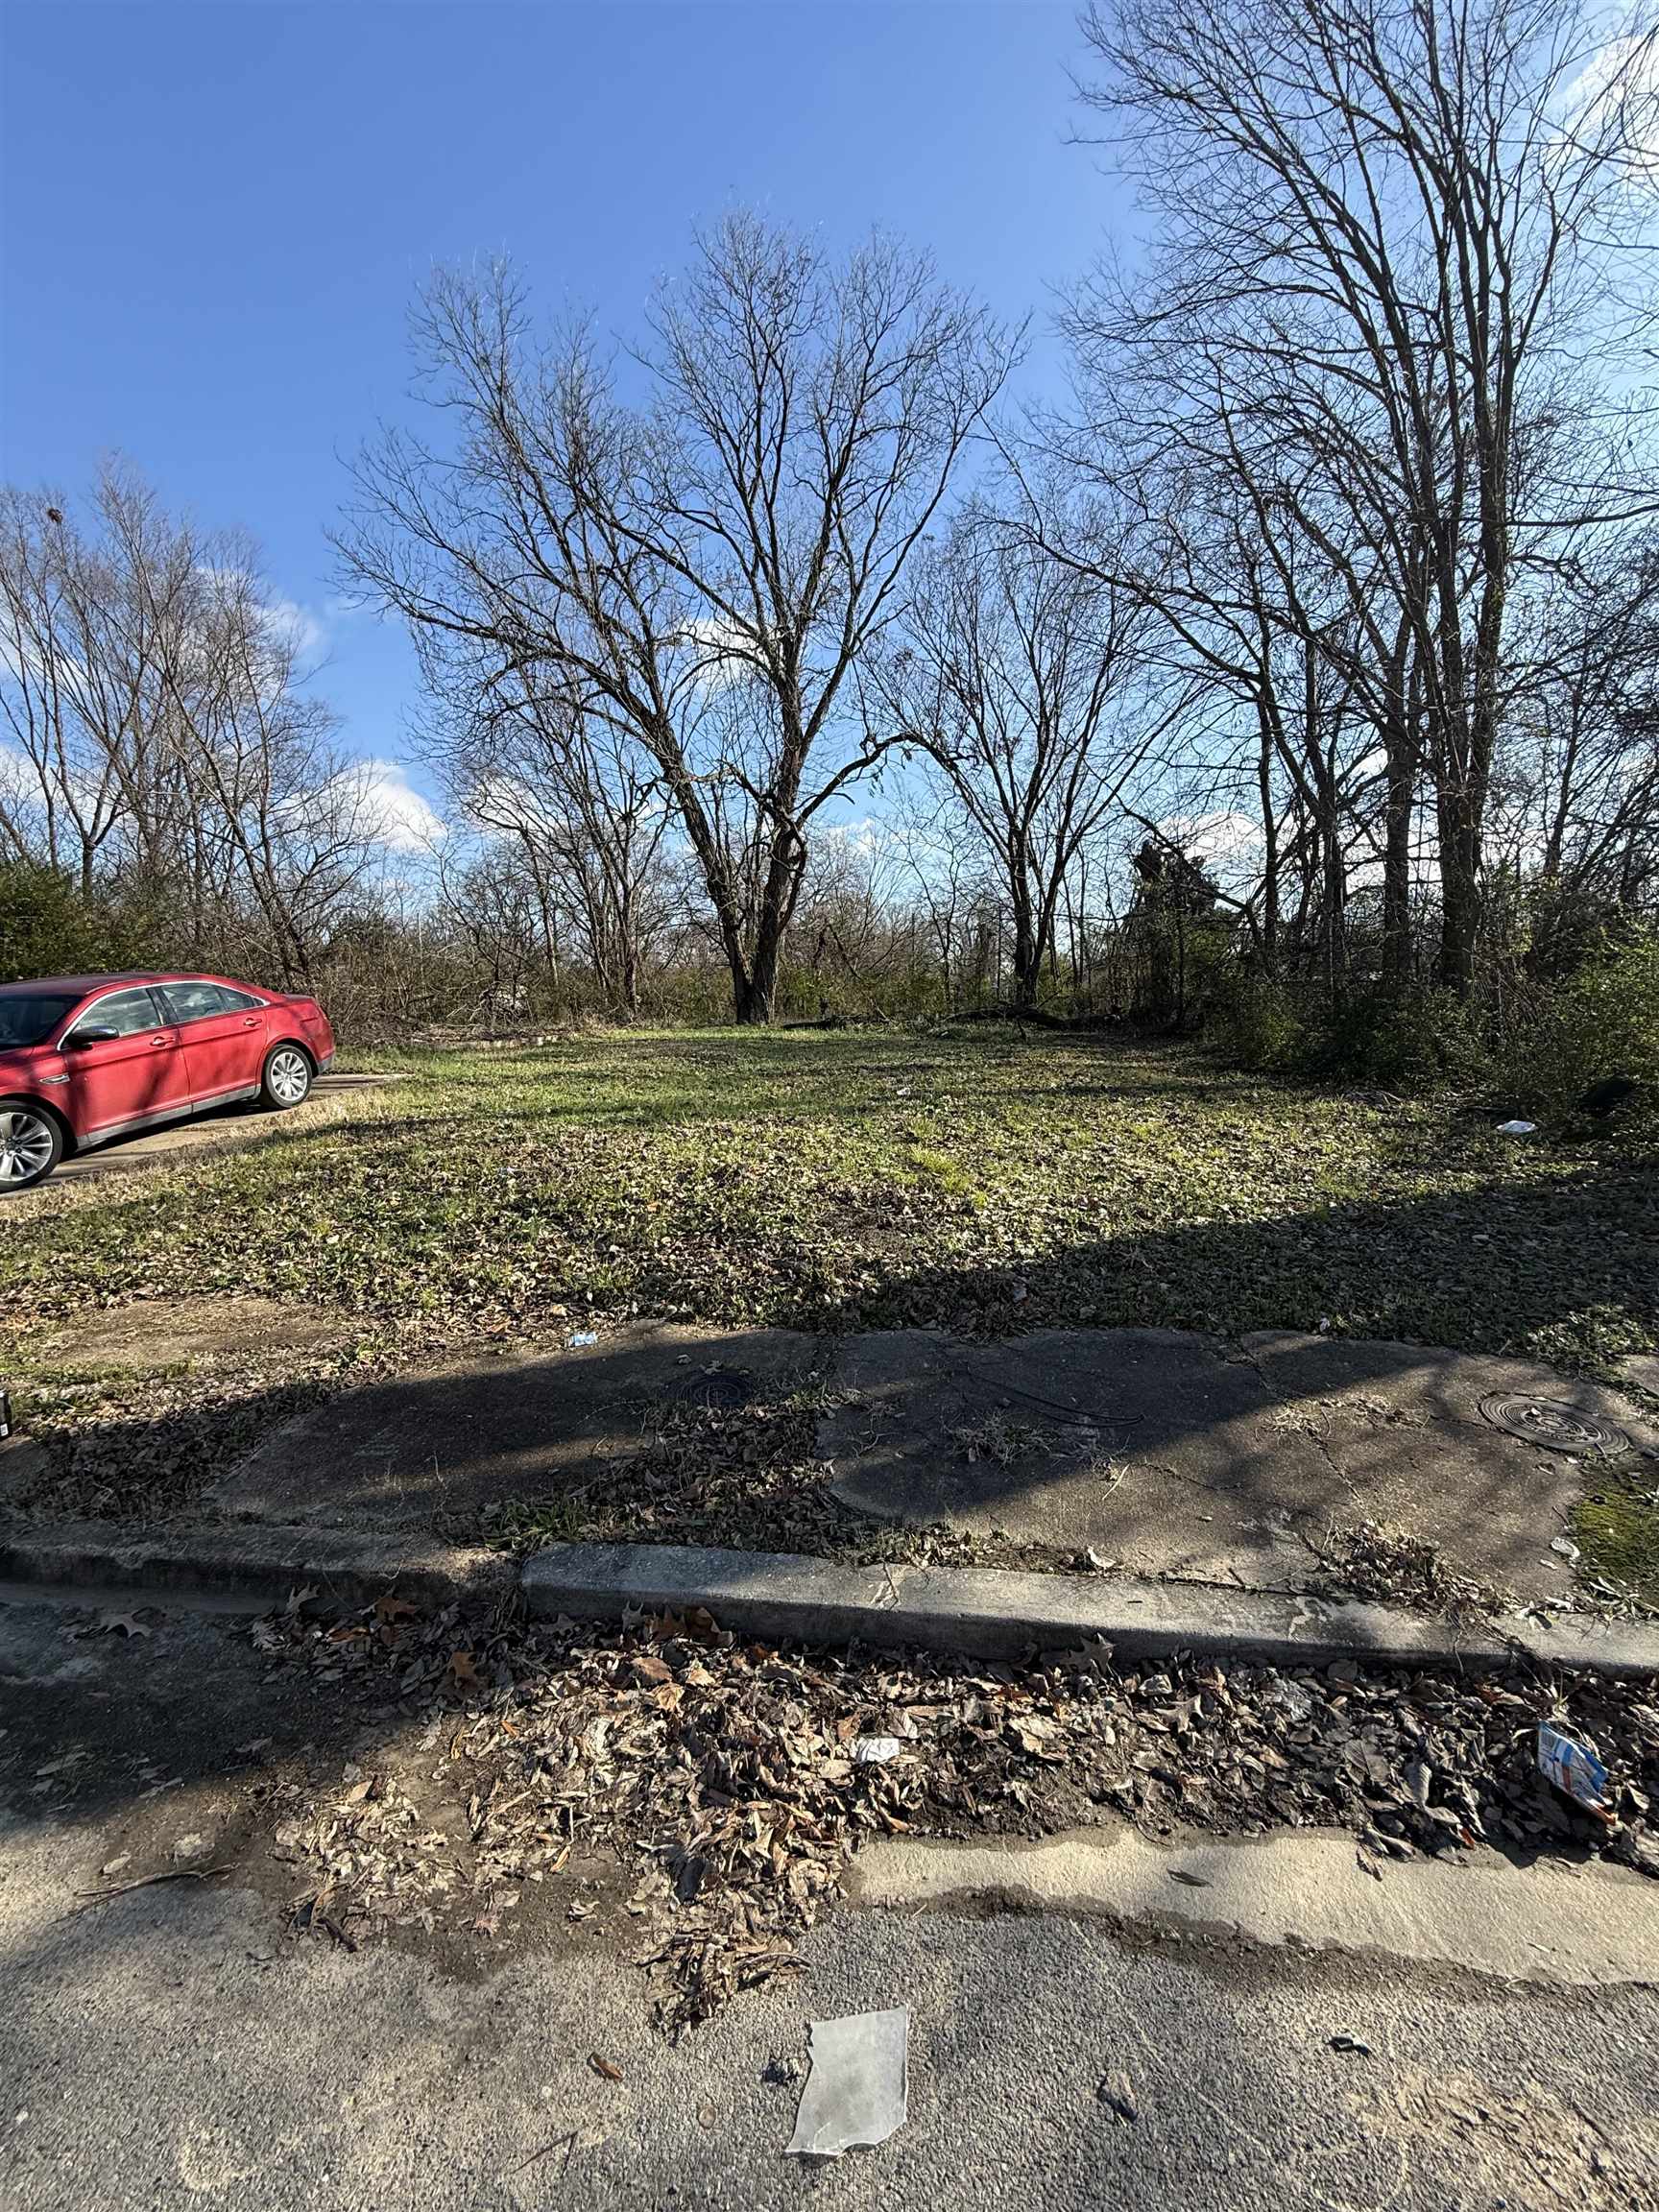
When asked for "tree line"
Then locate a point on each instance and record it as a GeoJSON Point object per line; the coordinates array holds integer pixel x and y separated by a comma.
{"type": "Point", "coordinates": [788, 655]}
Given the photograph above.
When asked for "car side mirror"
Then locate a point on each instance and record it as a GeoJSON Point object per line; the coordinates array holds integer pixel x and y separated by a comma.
{"type": "Point", "coordinates": [90, 1033]}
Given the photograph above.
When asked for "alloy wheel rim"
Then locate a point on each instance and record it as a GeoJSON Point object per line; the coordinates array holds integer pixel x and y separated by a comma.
{"type": "Point", "coordinates": [25, 1148]}
{"type": "Point", "coordinates": [290, 1077]}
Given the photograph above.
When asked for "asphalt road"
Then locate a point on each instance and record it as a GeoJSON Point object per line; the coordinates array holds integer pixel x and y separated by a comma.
{"type": "Point", "coordinates": [175, 2045]}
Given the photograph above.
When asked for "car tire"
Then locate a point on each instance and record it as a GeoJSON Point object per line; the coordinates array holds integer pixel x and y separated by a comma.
{"type": "Point", "coordinates": [31, 1144]}
{"type": "Point", "coordinates": [286, 1081]}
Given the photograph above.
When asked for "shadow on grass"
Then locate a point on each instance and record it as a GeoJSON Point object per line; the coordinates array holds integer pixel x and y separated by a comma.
{"type": "Point", "coordinates": [1570, 1265]}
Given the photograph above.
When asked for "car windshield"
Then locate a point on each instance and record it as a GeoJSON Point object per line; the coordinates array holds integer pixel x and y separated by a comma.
{"type": "Point", "coordinates": [26, 1019]}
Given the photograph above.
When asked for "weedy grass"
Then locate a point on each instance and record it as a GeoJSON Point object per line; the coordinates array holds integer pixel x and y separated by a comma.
{"type": "Point", "coordinates": [1616, 1527]}
{"type": "Point", "coordinates": [840, 1180]}
{"type": "Point", "coordinates": [977, 1180]}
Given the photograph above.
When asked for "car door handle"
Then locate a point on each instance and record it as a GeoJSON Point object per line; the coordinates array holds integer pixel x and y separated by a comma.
{"type": "Point", "coordinates": [155, 1041]}
{"type": "Point", "coordinates": [252, 1023]}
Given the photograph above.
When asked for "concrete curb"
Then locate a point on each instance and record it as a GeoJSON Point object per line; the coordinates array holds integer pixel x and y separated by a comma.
{"type": "Point", "coordinates": [977, 1611]}
{"type": "Point", "coordinates": [249, 1560]}
{"type": "Point", "coordinates": [985, 1611]}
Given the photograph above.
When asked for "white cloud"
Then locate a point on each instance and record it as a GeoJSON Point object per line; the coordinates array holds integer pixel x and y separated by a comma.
{"type": "Point", "coordinates": [394, 813]}
{"type": "Point", "coordinates": [865, 836]}
{"type": "Point", "coordinates": [1614, 99]}
{"type": "Point", "coordinates": [295, 626]}
{"type": "Point", "coordinates": [1214, 838]}
{"type": "Point", "coordinates": [725, 653]}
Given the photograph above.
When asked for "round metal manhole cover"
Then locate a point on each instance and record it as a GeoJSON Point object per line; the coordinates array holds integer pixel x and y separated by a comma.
{"type": "Point", "coordinates": [1550, 1425]}
{"type": "Point", "coordinates": [716, 1389]}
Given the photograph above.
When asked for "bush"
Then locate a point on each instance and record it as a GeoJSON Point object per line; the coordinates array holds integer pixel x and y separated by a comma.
{"type": "Point", "coordinates": [1402, 1038]}
{"type": "Point", "coordinates": [48, 928]}
{"type": "Point", "coordinates": [1259, 1025]}
{"type": "Point", "coordinates": [1601, 1021]}
{"type": "Point", "coordinates": [1399, 1039]}
{"type": "Point", "coordinates": [1539, 1047]}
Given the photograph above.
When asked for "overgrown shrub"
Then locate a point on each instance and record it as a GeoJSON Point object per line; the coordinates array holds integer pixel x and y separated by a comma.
{"type": "Point", "coordinates": [48, 928]}
{"type": "Point", "coordinates": [1603, 1021]}
{"type": "Point", "coordinates": [1537, 1045]}
{"type": "Point", "coordinates": [1259, 1024]}
{"type": "Point", "coordinates": [1399, 1040]}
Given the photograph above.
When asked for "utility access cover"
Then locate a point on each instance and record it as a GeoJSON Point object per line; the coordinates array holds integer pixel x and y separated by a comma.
{"type": "Point", "coordinates": [1550, 1425]}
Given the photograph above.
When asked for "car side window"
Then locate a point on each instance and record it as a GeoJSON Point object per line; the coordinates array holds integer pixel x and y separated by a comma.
{"type": "Point", "coordinates": [126, 1012]}
{"type": "Point", "coordinates": [238, 1002]}
{"type": "Point", "coordinates": [196, 1001]}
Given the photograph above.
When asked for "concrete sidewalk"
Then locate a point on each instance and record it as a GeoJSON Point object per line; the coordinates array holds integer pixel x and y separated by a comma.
{"type": "Point", "coordinates": [1162, 1453]}
{"type": "Point", "coordinates": [1175, 1454]}
{"type": "Point", "coordinates": [1205, 1486]}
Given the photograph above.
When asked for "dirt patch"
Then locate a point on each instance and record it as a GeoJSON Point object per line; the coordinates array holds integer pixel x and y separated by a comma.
{"type": "Point", "coordinates": [166, 1334]}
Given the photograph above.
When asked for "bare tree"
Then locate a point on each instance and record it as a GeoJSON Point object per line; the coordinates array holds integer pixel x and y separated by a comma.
{"type": "Point", "coordinates": [79, 672]}
{"type": "Point", "coordinates": [1389, 234]}
{"type": "Point", "coordinates": [1576, 783]}
{"type": "Point", "coordinates": [704, 569]}
{"type": "Point", "coordinates": [162, 733]}
{"type": "Point", "coordinates": [1015, 675]}
{"type": "Point", "coordinates": [583, 804]}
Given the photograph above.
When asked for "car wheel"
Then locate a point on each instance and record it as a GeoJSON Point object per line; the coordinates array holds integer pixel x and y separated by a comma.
{"type": "Point", "coordinates": [287, 1078]}
{"type": "Point", "coordinates": [31, 1147]}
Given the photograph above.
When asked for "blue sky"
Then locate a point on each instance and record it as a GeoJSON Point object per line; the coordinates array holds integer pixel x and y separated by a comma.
{"type": "Point", "coordinates": [213, 217]}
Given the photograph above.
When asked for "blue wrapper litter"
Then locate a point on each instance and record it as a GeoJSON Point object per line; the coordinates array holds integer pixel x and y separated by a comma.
{"type": "Point", "coordinates": [1572, 1768]}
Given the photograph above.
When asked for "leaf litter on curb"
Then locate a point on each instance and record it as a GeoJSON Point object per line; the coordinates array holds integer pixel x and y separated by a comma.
{"type": "Point", "coordinates": [721, 1775]}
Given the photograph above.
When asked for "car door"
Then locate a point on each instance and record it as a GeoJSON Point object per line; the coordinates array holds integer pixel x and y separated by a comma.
{"type": "Point", "coordinates": [223, 1033]}
{"type": "Point", "coordinates": [125, 1080]}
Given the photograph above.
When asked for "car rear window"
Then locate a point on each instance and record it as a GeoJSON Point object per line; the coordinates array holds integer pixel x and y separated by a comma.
{"type": "Point", "coordinates": [27, 1019]}
{"type": "Point", "coordinates": [196, 1001]}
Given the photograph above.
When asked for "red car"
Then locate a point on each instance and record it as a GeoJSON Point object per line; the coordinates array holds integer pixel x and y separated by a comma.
{"type": "Point", "coordinates": [84, 1058]}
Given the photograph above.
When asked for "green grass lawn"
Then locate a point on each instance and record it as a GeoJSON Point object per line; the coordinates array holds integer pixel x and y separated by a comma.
{"type": "Point", "coordinates": [854, 1179]}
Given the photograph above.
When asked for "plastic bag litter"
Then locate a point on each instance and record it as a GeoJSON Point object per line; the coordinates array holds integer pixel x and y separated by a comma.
{"type": "Point", "coordinates": [583, 1337]}
{"type": "Point", "coordinates": [1517, 1128]}
{"type": "Point", "coordinates": [858, 2089]}
{"type": "Point", "coordinates": [1571, 1766]}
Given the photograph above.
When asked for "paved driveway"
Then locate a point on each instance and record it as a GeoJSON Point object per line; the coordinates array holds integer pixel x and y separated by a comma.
{"type": "Point", "coordinates": [230, 1127]}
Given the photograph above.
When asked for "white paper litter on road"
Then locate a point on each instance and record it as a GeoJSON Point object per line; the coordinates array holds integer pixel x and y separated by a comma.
{"type": "Point", "coordinates": [876, 1751]}
{"type": "Point", "coordinates": [858, 2089]}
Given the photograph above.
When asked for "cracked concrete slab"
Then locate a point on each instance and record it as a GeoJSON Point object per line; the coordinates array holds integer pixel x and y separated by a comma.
{"type": "Point", "coordinates": [529, 1426]}
{"type": "Point", "coordinates": [1174, 1454]}
{"type": "Point", "coordinates": [1163, 1452]}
